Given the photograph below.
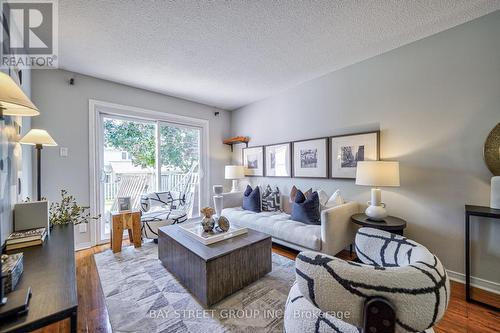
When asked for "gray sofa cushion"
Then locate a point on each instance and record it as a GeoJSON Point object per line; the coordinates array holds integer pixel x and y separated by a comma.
{"type": "Point", "coordinates": [278, 225]}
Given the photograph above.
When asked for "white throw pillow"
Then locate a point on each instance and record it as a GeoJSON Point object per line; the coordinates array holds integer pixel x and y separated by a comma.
{"type": "Point", "coordinates": [323, 197]}
{"type": "Point", "coordinates": [335, 200]}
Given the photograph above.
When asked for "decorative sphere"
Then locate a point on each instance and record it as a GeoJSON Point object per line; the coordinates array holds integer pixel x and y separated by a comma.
{"type": "Point", "coordinates": [223, 223]}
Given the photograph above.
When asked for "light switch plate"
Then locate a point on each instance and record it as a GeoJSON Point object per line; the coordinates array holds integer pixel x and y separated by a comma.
{"type": "Point", "coordinates": [63, 152]}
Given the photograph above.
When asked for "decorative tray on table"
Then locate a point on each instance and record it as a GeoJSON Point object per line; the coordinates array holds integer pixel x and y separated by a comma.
{"type": "Point", "coordinates": [195, 230]}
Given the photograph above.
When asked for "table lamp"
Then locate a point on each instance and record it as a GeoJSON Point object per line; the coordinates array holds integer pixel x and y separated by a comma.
{"type": "Point", "coordinates": [377, 174]}
{"type": "Point", "coordinates": [13, 102]}
{"type": "Point", "coordinates": [235, 172]}
{"type": "Point", "coordinates": [38, 138]}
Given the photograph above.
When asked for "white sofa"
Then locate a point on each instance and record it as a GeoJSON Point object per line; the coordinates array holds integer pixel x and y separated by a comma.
{"type": "Point", "coordinates": [334, 234]}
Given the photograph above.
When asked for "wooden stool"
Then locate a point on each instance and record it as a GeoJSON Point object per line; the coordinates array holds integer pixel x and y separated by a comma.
{"type": "Point", "coordinates": [129, 220]}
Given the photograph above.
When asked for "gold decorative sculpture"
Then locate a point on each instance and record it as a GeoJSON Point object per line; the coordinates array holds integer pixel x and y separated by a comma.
{"type": "Point", "coordinates": [208, 221]}
{"type": "Point", "coordinates": [492, 151]}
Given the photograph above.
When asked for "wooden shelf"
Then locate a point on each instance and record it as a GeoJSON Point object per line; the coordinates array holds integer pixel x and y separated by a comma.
{"type": "Point", "coordinates": [236, 140]}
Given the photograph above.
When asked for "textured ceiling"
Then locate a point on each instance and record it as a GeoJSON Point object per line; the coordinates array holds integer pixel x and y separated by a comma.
{"type": "Point", "coordinates": [232, 53]}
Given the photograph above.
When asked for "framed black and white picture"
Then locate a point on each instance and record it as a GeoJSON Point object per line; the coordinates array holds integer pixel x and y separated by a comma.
{"type": "Point", "coordinates": [347, 150]}
{"type": "Point", "coordinates": [310, 158]}
{"type": "Point", "coordinates": [124, 204]}
{"type": "Point", "coordinates": [253, 161]}
{"type": "Point", "coordinates": [278, 160]}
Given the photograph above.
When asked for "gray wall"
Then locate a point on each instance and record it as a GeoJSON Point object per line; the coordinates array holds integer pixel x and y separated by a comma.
{"type": "Point", "coordinates": [65, 115]}
{"type": "Point", "coordinates": [434, 101]}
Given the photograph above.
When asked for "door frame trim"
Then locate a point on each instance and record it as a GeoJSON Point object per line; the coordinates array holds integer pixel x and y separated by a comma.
{"type": "Point", "coordinates": [97, 107]}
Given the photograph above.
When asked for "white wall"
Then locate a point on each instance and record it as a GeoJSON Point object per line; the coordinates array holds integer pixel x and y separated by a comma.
{"type": "Point", "coordinates": [435, 102]}
{"type": "Point", "coordinates": [65, 115]}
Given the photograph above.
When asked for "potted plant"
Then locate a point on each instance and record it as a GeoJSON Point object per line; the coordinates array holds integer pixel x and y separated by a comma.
{"type": "Point", "coordinates": [68, 211]}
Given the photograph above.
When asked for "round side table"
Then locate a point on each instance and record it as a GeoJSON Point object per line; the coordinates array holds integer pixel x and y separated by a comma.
{"type": "Point", "coordinates": [391, 224]}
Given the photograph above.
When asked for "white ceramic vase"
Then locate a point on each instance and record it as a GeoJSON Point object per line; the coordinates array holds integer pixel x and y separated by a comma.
{"type": "Point", "coordinates": [376, 213]}
{"type": "Point", "coordinates": [218, 204]}
{"type": "Point", "coordinates": [495, 192]}
{"type": "Point", "coordinates": [376, 209]}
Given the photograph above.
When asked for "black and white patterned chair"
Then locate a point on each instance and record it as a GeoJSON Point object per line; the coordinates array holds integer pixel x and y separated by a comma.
{"type": "Point", "coordinates": [330, 294]}
{"type": "Point", "coordinates": [169, 207]}
{"type": "Point", "coordinates": [160, 209]}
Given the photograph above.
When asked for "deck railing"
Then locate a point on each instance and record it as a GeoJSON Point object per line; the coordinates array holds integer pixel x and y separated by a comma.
{"type": "Point", "coordinates": [168, 182]}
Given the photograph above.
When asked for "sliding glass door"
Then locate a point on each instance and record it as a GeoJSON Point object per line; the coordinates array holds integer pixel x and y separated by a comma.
{"type": "Point", "coordinates": [138, 156]}
{"type": "Point", "coordinates": [179, 155]}
{"type": "Point", "coordinates": [128, 164]}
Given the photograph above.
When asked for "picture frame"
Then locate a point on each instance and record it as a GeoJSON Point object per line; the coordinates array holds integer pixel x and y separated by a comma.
{"type": "Point", "coordinates": [346, 150]}
{"type": "Point", "coordinates": [310, 158]}
{"type": "Point", "coordinates": [123, 204]}
{"type": "Point", "coordinates": [278, 160]}
{"type": "Point", "coordinates": [253, 161]}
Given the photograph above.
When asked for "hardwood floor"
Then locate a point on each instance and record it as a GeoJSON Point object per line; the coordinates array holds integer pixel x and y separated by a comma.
{"type": "Point", "coordinates": [461, 316]}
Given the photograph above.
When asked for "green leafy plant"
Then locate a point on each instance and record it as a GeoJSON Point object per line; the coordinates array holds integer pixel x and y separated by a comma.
{"type": "Point", "coordinates": [68, 211]}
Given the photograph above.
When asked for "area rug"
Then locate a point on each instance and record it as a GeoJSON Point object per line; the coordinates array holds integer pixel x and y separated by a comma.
{"type": "Point", "coordinates": [142, 296]}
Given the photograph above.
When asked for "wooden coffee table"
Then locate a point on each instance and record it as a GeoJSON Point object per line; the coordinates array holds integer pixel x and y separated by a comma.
{"type": "Point", "coordinates": [213, 272]}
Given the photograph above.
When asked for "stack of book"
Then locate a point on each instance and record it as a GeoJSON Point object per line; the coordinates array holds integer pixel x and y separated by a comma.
{"type": "Point", "coordinates": [26, 238]}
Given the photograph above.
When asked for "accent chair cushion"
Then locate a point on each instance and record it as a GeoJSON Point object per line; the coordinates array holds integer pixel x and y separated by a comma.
{"type": "Point", "coordinates": [251, 199]}
{"type": "Point", "coordinates": [155, 200]}
{"type": "Point", "coordinates": [154, 219]}
{"type": "Point", "coordinates": [306, 210]}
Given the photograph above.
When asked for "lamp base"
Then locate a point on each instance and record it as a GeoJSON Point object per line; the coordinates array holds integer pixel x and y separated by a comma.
{"type": "Point", "coordinates": [235, 186]}
{"type": "Point", "coordinates": [17, 304]}
{"type": "Point", "coordinates": [376, 213]}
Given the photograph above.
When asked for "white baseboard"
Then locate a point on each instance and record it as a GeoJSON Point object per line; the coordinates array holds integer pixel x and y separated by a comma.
{"type": "Point", "coordinates": [476, 282]}
{"type": "Point", "coordinates": [83, 246]}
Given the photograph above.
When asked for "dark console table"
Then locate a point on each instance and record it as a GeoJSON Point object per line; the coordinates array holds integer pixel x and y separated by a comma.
{"type": "Point", "coordinates": [50, 272]}
{"type": "Point", "coordinates": [480, 211]}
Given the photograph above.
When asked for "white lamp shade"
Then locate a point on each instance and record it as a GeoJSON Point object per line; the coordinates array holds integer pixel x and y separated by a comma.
{"type": "Point", "coordinates": [38, 137]}
{"type": "Point", "coordinates": [377, 173]}
{"type": "Point", "coordinates": [234, 172]}
{"type": "Point", "coordinates": [13, 101]}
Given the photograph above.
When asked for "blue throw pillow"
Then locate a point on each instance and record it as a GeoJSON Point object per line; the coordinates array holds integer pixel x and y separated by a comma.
{"type": "Point", "coordinates": [251, 199]}
{"type": "Point", "coordinates": [306, 210]}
